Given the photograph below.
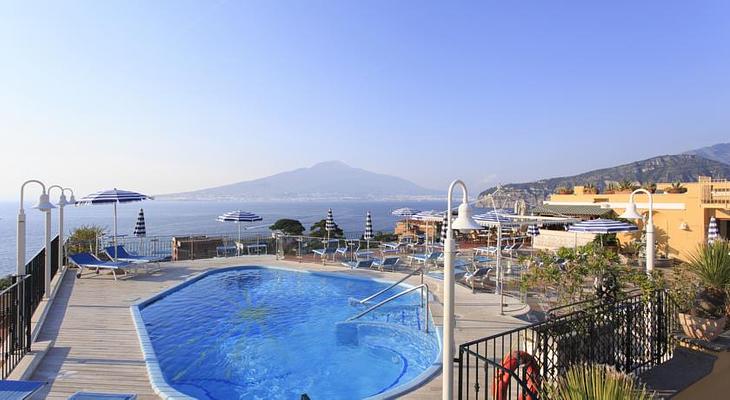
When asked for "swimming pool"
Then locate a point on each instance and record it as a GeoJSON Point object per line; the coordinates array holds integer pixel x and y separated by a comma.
{"type": "Point", "coordinates": [272, 333]}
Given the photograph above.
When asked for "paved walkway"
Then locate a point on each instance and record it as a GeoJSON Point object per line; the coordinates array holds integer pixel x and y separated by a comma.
{"type": "Point", "coordinates": [96, 347]}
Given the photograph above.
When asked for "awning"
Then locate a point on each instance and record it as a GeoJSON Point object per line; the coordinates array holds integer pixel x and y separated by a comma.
{"type": "Point", "coordinates": [571, 211]}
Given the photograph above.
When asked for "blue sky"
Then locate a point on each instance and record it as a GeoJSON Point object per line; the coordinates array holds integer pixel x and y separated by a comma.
{"type": "Point", "coordinates": [176, 95]}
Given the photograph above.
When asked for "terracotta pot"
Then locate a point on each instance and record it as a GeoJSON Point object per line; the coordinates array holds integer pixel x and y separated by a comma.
{"type": "Point", "coordinates": [702, 328]}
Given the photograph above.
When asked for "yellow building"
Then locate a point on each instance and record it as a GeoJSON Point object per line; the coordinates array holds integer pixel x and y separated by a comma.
{"type": "Point", "coordinates": [680, 219]}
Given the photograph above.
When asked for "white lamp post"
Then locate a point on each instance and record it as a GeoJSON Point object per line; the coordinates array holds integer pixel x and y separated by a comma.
{"type": "Point", "coordinates": [62, 202]}
{"type": "Point", "coordinates": [43, 205]}
{"type": "Point", "coordinates": [631, 213]}
{"type": "Point", "coordinates": [463, 222]}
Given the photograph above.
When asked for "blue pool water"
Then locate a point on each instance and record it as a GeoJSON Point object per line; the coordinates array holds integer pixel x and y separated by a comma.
{"type": "Point", "coordinates": [266, 333]}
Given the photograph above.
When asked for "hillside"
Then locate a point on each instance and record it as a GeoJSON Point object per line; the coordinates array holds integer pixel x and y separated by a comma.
{"type": "Point", "coordinates": [669, 168]}
{"type": "Point", "coordinates": [719, 152]}
{"type": "Point", "coordinates": [323, 181]}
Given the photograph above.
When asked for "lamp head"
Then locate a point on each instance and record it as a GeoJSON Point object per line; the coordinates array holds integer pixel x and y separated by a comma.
{"type": "Point", "coordinates": [631, 212]}
{"type": "Point", "coordinates": [62, 201]}
{"type": "Point", "coordinates": [72, 199]}
{"type": "Point", "coordinates": [44, 204]}
{"type": "Point", "coordinates": [464, 221]}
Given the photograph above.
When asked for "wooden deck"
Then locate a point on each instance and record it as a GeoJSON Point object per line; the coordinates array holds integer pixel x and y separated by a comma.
{"type": "Point", "coordinates": [96, 346]}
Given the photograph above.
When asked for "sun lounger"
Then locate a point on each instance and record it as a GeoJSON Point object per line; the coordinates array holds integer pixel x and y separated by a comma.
{"type": "Point", "coordinates": [123, 255]}
{"type": "Point", "coordinates": [102, 396]}
{"type": "Point", "coordinates": [365, 264]}
{"type": "Point", "coordinates": [329, 249]}
{"type": "Point", "coordinates": [18, 390]}
{"type": "Point", "coordinates": [425, 258]}
{"type": "Point", "coordinates": [387, 262]}
{"type": "Point", "coordinates": [88, 260]}
{"type": "Point", "coordinates": [480, 277]}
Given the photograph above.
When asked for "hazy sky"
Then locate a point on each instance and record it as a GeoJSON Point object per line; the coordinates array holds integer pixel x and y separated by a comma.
{"type": "Point", "coordinates": [162, 96]}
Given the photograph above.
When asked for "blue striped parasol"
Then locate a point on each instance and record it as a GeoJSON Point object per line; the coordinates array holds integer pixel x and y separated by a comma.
{"type": "Point", "coordinates": [368, 227]}
{"type": "Point", "coordinates": [238, 217]}
{"type": "Point", "coordinates": [712, 231]}
{"type": "Point", "coordinates": [114, 197]}
{"type": "Point", "coordinates": [601, 225]}
{"type": "Point", "coordinates": [444, 228]}
{"type": "Point", "coordinates": [329, 224]}
{"type": "Point", "coordinates": [140, 230]}
{"type": "Point", "coordinates": [533, 230]}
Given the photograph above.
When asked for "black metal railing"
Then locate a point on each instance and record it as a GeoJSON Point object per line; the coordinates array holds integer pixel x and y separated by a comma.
{"type": "Point", "coordinates": [36, 268]}
{"type": "Point", "coordinates": [15, 317]}
{"type": "Point", "coordinates": [633, 335]}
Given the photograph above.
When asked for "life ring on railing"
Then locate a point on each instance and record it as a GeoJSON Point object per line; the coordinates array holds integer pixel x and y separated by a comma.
{"type": "Point", "coordinates": [511, 362]}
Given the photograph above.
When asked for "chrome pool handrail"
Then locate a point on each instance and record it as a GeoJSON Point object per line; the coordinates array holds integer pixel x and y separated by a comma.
{"type": "Point", "coordinates": [395, 296]}
{"type": "Point", "coordinates": [363, 301]}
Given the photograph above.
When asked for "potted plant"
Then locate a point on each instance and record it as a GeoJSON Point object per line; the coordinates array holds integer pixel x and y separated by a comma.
{"type": "Point", "coordinates": [611, 188]}
{"type": "Point", "coordinates": [590, 188]}
{"type": "Point", "coordinates": [563, 190]}
{"type": "Point", "coordinates": [703, 302]}
{"type": "Point", "coordinates": [626, 186]}
{"type": "Point", "coordinates": [676, 188]}
{"type": "Point", "coordinates": [650, 186]}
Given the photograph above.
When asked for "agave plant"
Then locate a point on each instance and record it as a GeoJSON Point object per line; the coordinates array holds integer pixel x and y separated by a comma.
{"type": "Point", "coordinates": [590, 188]}
{"type": "Point", "coordinates": [626, 185]}
{"type": "Point", "coordinates": [650, 186]}
{"type": "Point", "coordinates": [710, 263]}
{"type": "Point", "coordinates": [611, 188]}
{"type": "Point", "coordinates": [597, 382]}
{"type": "Point", "coordinates": [676, 187]}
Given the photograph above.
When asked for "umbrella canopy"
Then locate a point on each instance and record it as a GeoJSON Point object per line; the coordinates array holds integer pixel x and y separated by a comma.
{"type": "Point", "coordinates": [405, 212]}
{"type": "Point", "coordinates": [533, 230]}
{"type": "Point", "coordinates": [139, 228]}
{"type": "Point", "coordinates": [330, 221]}
{"type": "Point", "coordinates": [601, 225]}
{"type": "Point", "coordinates": [712, 231]}
{"type": "Point", "coordinates": [237, 217]}
{"type": "Point", "coordinates": [492, 218]}
{"type": "Point", "coordinates": [113, 196]}
{"type": "Point", "coordinates": [368, 227]}
{"type": "Point", "coordinates": [444, 228]}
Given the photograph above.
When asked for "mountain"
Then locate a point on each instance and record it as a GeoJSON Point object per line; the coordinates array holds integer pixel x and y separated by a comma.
{"type": "Point", "coordinates": [719, 152]}
{"type": "Point", "coordinates": [670, 168]}
{"type": "Point", "coordinates": [324, 181]}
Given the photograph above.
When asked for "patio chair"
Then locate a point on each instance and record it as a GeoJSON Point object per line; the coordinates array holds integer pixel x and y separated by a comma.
{"type": "Point", "coordinates": [387, 262]}
{"type": "Point", "coordinates": [102, 396]}
{"type": "Point", "coordinates": [365, 264]}
{"type": "Point", "coordinates": [88, 260]}
{"type": "Point", "coordinates": [330, 248]}
{"type": "Point", "coordinates": [123, 255]}
{"type": "Point", "coordinates": [18, 390]}
{"type": "Point", "coordinates": [349, 245]}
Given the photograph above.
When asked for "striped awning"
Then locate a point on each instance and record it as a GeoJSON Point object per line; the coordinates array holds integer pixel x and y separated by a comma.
{"type": "Point", "coordinates": [140, 230]}
{"type": "Point", "coordinates": [112, 196]}
{"type": "Point", "coordinates": [239, 216]}
{"type": "Point", "coordinates": [368, 227]}
{"type": "Point", "coordinates": [330, 221]}
{"type": "Point", "coordinates": [559, 210]}
{"type": "Point", "coordinates": [712, 232]}
{"type": "Point", "coordinates": [602, 226]}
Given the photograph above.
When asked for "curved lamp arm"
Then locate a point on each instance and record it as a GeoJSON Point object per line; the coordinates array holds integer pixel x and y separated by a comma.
{"type": "Point", "coordinates": [22, 190]}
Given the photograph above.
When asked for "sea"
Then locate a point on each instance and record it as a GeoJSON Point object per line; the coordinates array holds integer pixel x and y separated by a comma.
{"type": "Point", "coordinates": [167, 218]}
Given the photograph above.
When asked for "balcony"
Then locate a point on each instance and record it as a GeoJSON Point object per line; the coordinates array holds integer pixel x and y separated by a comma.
{"type": "Point", "coordinates": [714, 193]}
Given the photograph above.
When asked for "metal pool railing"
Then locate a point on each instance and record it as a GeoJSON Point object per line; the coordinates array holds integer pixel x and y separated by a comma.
{"type": "Point", "coordinates": [633, 335]}
{"type": "Point", "coordinates": [15, 317]}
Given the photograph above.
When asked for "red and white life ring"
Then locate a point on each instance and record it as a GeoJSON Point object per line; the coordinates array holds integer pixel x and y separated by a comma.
{"type": "Point", "coordinates": [511, 362]}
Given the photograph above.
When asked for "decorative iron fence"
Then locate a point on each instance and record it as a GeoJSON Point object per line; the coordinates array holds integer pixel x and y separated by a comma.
{"type": "Point", "coordinates": [632, 335]}
{"type": "Point", "coordinates": [15, 316]}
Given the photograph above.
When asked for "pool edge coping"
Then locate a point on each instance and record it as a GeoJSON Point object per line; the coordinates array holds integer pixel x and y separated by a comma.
{"type": "Point", "coordinates": [163, 389]}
